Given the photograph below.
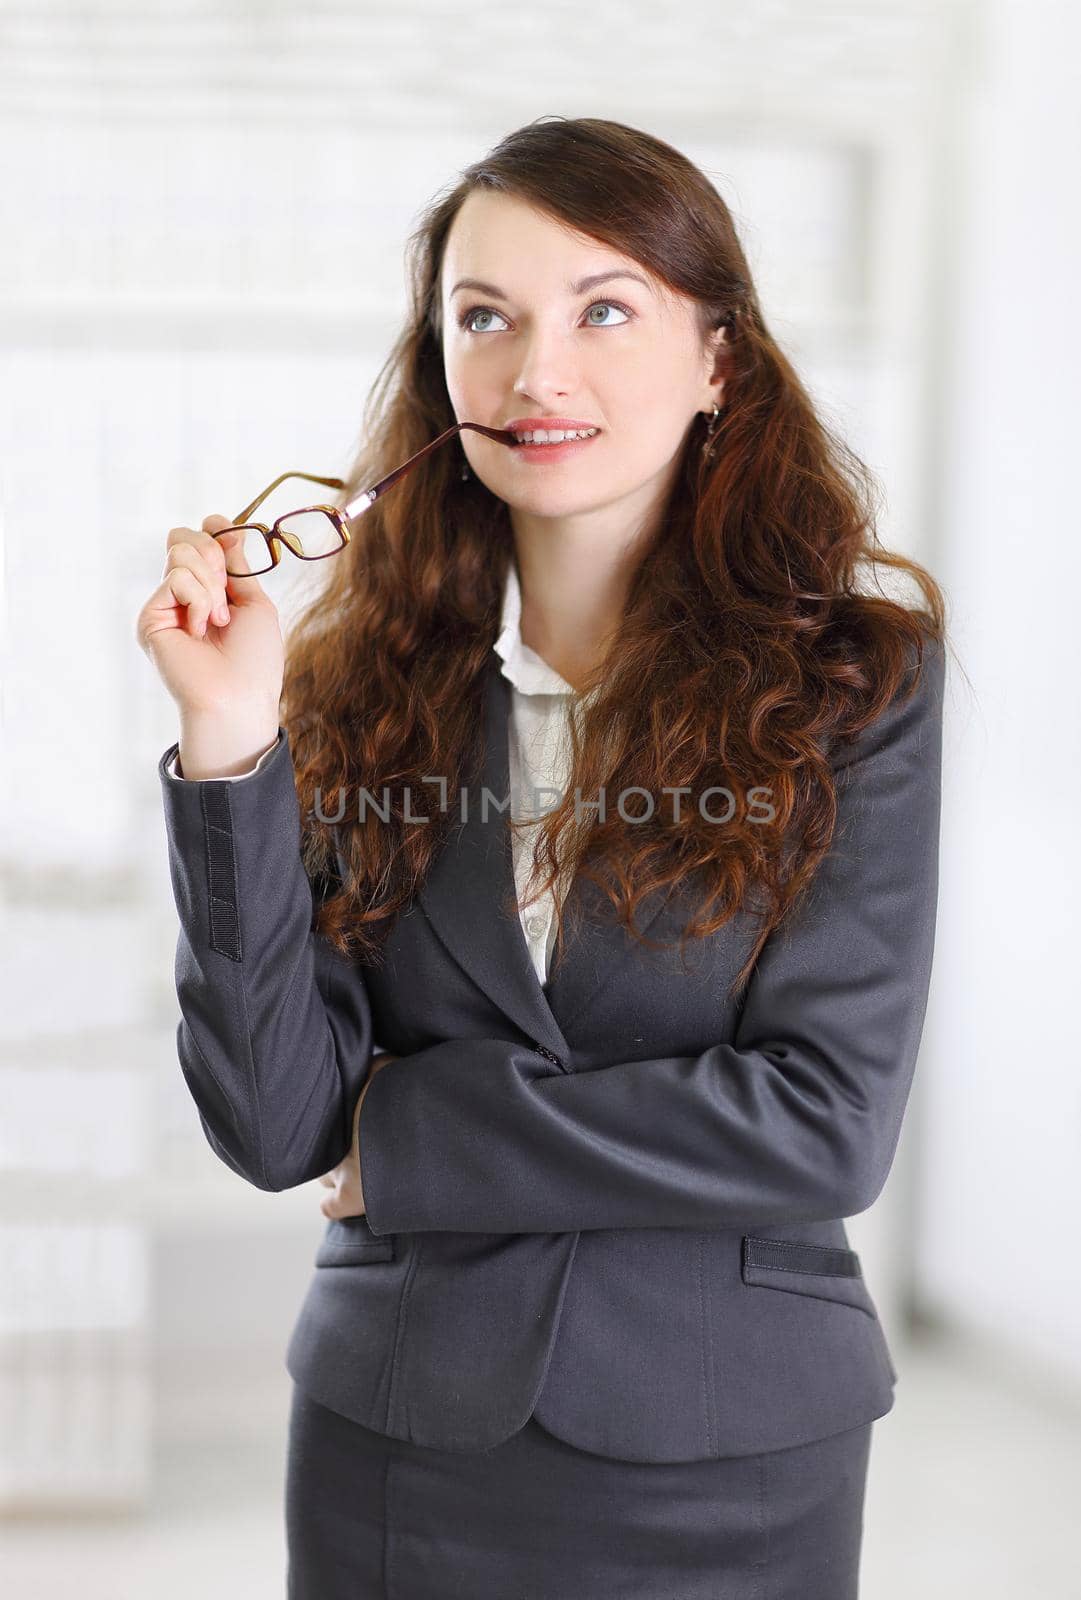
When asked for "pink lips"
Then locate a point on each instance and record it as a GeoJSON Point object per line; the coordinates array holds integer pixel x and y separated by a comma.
{"type": "Point", "coordinates": [539, 454]}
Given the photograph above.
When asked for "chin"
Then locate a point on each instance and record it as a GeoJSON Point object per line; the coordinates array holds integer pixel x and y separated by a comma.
{"type": "Point", "coordinates": [553, 500]}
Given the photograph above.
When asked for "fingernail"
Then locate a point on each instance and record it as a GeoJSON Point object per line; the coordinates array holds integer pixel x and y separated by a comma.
{"type": "Point", "coordinates": [221, 615]}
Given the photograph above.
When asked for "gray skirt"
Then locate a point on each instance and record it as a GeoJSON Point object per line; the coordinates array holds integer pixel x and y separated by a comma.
{"type": "Point", "coordinates": [369, 1517]}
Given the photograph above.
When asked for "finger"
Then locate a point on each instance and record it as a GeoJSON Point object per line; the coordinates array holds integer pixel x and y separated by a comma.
{"type": "Point", "coordinates": [208, 566]}
{"type": "Point", "coordinates": [232, 551]}
{"type": "Point", "coordinates": [185, 590]}
{"type": "Point", "coordinates": [210, 552]}
{"type": "Point", "coordinates": [183, 536]}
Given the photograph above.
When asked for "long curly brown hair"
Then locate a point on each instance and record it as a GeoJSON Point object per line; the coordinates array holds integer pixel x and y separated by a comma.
{"type": "Point", "coordinates": [750, 642]}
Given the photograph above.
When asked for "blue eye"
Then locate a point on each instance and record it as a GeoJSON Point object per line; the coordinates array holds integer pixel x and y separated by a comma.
{"type": "Point", "coordinates": [476, 311]}
{"type": "Point", "coordinates": [466, 319]}
{"type": "Point", "coordinates": [609, 305]}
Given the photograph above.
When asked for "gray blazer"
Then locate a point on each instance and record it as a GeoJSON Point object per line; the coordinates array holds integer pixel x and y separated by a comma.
{"type": "Point", "coordinates": [614, 1201]}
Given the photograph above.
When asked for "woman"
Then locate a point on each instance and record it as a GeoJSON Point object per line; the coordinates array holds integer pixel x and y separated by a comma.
{"type": "Point", "coordinates": [585, 1320]}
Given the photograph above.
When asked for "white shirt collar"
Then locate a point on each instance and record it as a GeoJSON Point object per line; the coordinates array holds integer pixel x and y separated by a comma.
{"type": "Point", "coordinates": [528, 671]}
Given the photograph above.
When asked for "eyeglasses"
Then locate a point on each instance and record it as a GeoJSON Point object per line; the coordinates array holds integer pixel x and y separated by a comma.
{"type": "Point", "coordinates": [314, 532]}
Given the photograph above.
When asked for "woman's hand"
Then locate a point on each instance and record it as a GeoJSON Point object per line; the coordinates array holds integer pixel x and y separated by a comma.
{"type": "Point", "coordinates": [347, 1199]}
{"type": "Point", "coordinates": [215, 640]}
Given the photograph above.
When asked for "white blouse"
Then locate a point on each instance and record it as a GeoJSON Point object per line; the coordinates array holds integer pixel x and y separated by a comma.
{"type": "Point", "coordinates": [538, 751]}
{"type": "Point", "coordinates": [538, 754]}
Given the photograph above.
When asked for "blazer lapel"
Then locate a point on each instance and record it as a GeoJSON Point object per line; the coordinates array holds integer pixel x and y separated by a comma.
{"type": "Point", "coordinates": [472, 879]}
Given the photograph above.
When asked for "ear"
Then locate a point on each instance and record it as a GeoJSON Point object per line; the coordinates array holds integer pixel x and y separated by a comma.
{"type": "Point", "coordinates": [714, 385]}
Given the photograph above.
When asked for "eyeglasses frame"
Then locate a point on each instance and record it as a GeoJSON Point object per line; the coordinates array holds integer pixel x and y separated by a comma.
{"type": "Point", "coordinates": [341, 516]}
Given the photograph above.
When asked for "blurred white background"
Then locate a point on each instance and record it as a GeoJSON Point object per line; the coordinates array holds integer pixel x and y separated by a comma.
{"type": "Point", "coordinates": [203, 210]}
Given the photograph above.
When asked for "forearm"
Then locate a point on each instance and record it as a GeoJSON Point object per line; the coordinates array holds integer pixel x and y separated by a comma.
{"type": "Point", "coordinates": [275, 1034]}
{"type": "Point", "coordinates": [484, 1136]}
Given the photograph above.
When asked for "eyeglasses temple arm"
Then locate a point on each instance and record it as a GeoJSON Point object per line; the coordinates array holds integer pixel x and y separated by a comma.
{"type": "Point", "coordinates": [368, 497]}
{"type": "Point", "coordinates": [329, 483]}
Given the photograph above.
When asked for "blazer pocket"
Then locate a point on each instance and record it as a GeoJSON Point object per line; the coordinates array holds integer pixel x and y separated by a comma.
{"type": "Point", "coordinates": [350, 1242]}
{"type": "Point", "coordinates": [825, 1272]}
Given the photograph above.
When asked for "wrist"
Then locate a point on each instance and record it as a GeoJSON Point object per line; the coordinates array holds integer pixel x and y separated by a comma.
{"type": "Point", "coordinates": [224, 744]}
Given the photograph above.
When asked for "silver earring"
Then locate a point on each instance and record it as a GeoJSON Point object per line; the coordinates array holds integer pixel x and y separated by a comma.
{"type": "Point", "coordinates": [465, 471]}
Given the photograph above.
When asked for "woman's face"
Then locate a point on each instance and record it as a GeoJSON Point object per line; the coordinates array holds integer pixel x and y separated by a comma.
{"type": "Point", "coordinates": [623, 356]}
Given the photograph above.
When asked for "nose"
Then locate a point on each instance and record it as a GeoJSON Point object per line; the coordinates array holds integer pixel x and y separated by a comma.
{"type": "Point", "coordinates": [547, 369]}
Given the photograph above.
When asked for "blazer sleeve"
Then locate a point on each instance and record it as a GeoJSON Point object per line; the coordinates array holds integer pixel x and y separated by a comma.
{"type": "Point", "coordinates": [275, 1033]}
{"type": "Point", "coordinates": [797, 1119]}
{"type": "Point", "coordinates": [172, 766]}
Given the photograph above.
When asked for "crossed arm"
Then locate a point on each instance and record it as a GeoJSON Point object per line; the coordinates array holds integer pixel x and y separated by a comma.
{"type": "Point", "coordinates": [797, 1118]}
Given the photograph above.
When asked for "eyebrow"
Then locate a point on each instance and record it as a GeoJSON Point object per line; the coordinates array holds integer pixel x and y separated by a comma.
{"type": "Point", "coordinates": [590, 282]}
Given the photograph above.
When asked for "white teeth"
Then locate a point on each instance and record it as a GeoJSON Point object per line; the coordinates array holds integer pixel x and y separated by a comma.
{"type": "Point", "coordinates": [554, 435]}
